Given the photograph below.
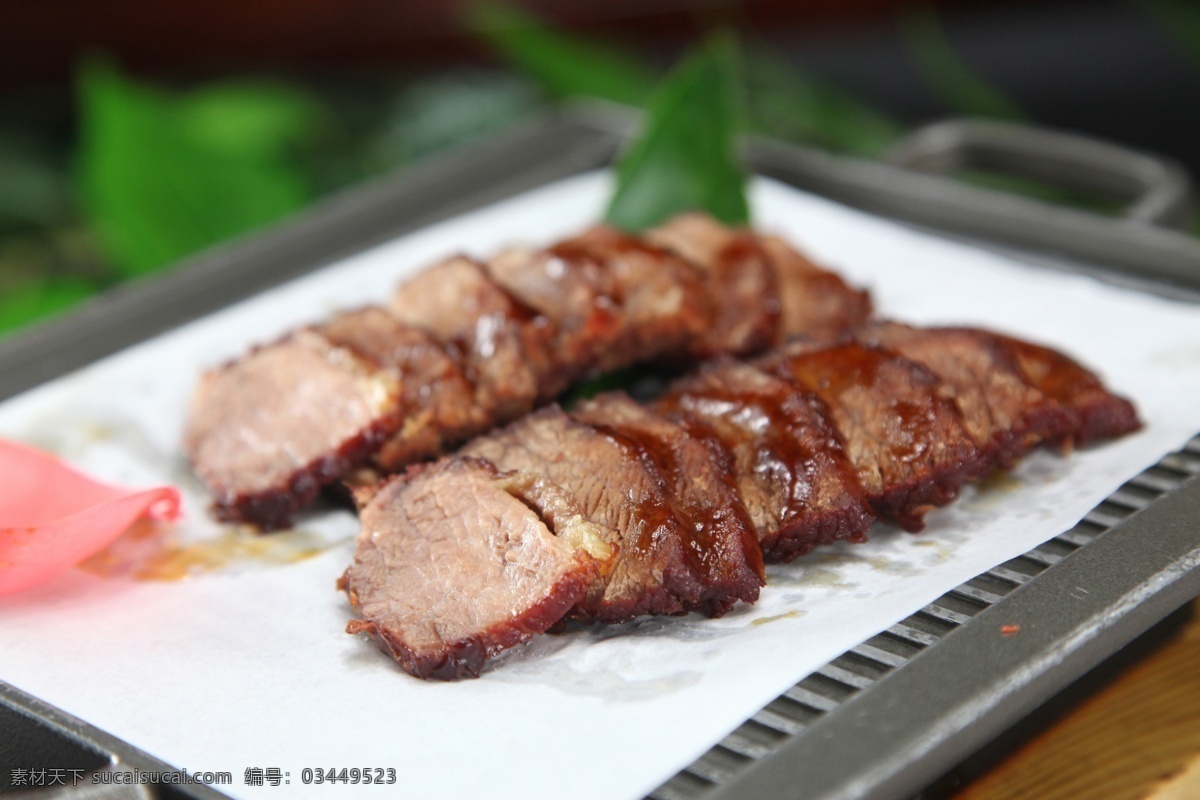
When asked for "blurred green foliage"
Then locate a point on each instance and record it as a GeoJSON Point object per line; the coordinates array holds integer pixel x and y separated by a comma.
{"type": "Point", "coordinates": [1181, 20]}
{"type": "Point", "coordinates": [686, 156]}
{"type": "Point", "coordinates": [959, 87]}
{"type": "Point", "coordinates": [448, 109]}
{"type": "Point", "coordinates": [40, 297]}
{"type": "Point", "coordinates": [163, 175]}
{"type": "Point", "coordinates": [781, 100]}
{"type": "Point", "coordinates": [158, 174]}
{"type": "Point", "coordinates": [567, 66]}
{"type": "Point", "coordinates": [36, 191]}
{"type": "Point", "coordinates": [47, 259]}
{"type": "Point", "coordinates": [784, 102]}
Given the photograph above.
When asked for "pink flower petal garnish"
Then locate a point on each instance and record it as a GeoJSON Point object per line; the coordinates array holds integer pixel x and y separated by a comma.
{"type": "Point", "coordinates": [52, 517]}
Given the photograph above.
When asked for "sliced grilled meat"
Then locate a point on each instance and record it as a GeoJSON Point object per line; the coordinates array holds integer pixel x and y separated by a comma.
{"type": "Point", "coordinates": [578, 295]}
{"type": "Point", "coordinates": [502, 345]}
{"type": "Point", "coordinates": [662, 300]}
{"type": "Point", "coordinates": [623, 494]}
{"type": "Point", "coordinates": [1101, 414]}
{"type": "Point", "coordinates": [437, 399]}
{"type": "Point", "coordinates": [508, 335]}
{"type": "Point", "coordinates": [742, 268]}
{"type": "Point", "coordinates": [453, 567]}
{"type": "Point", "coordinates": [655, 505]}
{"type": "Point", "coordinates": [745, 286]}
{"type": "Point", "coordinates": [1003, 412]}
{"type": "Point", "coordinates": [820, 304]}
{"type": "Point", "coordinates": [788, 463]}
{"type": "Point", "coordinates": [908, 444]}
{"type": "Point", "coordinates": [720, 546]}
{"type": "Point", "coordinates": [267, 432]}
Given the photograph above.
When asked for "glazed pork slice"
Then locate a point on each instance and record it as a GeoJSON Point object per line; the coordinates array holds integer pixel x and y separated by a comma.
{"type": "Point", "coordinates": [502, 345]}
{"type": "Point", "coordinates": [453, 567]}
{"type": "Point", "coordinates": [742, 268]}
{"type": "Point", "coordinates": [438, 401]}
{"type": "Point", "coordinates": [1004, 413]}
{"type": "Point", "coordinates": [474, 345]}
{"type": "Point", "coordinates": [720, 544]}
{"type": "Point", "coordinates": [578, 295]}
{"type": "Point", "coordinates": [267, 431]}
{"type": "Point", "coordinates": [740, 276]}
{"type": "Point", "coordinates": [623, 494]}
{"type": "Point", "coordinates": [614, 299]}
{"type": "Point", "coordinates": [789, 465]}
{"type": "Point", "coordinates": [820, 304]}
{"type": "Point", "coordinates": [909, 445]}
{"type": "Point", "coordinates": [1101, 414]}
{"type": "Point", "coordinates": [652, 507]}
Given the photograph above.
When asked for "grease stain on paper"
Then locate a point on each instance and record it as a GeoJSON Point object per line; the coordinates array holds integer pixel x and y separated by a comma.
{"type": "Point", "coordinates": [817, 571]}
{"type": "Point", "coordinates": [795, 613]}
{"type": "Point", "coordinates": [151, 551]}
{"type": "Point", "coordinates": [893, 567]}
{"type": "Point", "coordinates": [995, 488]}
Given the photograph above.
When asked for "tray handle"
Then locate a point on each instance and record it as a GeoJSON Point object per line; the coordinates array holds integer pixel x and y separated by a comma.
{"type": "Point", "coordinates": [1157, 191]}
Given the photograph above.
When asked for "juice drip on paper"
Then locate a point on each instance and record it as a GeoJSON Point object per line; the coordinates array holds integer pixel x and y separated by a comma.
{"type": "Point", "coordinates": [150, 551]}
{"type": "Point", "coordinates": [995, 487]}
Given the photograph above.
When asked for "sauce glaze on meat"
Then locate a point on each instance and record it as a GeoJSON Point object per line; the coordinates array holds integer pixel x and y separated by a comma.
{"type": "Point", "coordinates": [681, 501]}
{"type": "Point", "coordinates": [466, 346]}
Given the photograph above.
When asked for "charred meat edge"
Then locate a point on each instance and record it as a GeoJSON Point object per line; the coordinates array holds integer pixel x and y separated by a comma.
{"type": "Point", "coordinates": [512, 319]}
{"type": "Point", "coordinates": [1103, 415]}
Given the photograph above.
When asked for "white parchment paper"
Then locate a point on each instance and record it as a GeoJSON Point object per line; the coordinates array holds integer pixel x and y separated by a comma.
{"type": "Point", "coordinates": [247, 666]}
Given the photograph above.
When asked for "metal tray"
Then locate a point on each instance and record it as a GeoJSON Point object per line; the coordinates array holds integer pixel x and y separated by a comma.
{"type": "Point", "coordinates": [915, 700]}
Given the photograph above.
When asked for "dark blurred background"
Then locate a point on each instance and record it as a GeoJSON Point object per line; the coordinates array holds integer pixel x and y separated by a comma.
{"type": "Point", "coordinates": [133, 132]}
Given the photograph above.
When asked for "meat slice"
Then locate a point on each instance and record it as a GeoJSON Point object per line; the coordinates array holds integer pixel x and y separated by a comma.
{"type": "Point", "coordinates": [742, 268]}
{"type": "Point", "coordinates": [1004, 413]}
{"type": "Point", "coordinates": [665, 300]}
{"type": "Point", "coordinates": [744, 286]}
{"type": "Point", "coordinates": [1101, 414]}
{"type": "Point", "coordinates": [619, 510]}
{"type": "Point", "coordinates": [720, 545]}
{"type": "Point", "coordinates": [436, 398]}
{"type": "Point", "coordinates": [789, 465]}
{"type": "Point", "coordinates": [476, 345]}
{"type": "Point", "coordinates": [578, 295]}
{"type": "Point", "coordinates": [815, 302]}
{"type": "Point", "coordinates": [266, 432]}
{"type": "Point", "coordinates": [452, 568]}
{"type": "Point", "coordinates": [502, 345]}
{"type": "Point", "coordinates": [909, 445]}
{"type": "Point", "coordinates": [613, 299]}
{"type": "Point", "coordinates": [620, 492]}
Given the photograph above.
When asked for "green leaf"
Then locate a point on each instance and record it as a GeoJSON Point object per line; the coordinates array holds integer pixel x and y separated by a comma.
{"type": "Point", "coordinates": [785, 103]}
{"type": "Point", "coordinates": [686, 157]}
{"type": "Point", "coordinates": [254, 120]}
{"type": "Point", "coordinates": [162, 176]}
{"type": "Point", "coordinates": [30, 301]}
{"type": "Point", "coordinates": [960, 88]}
{"type": "Point", "coordinates": [781, 100]}
{"type": "Point", "coordinates": [565, 65]}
